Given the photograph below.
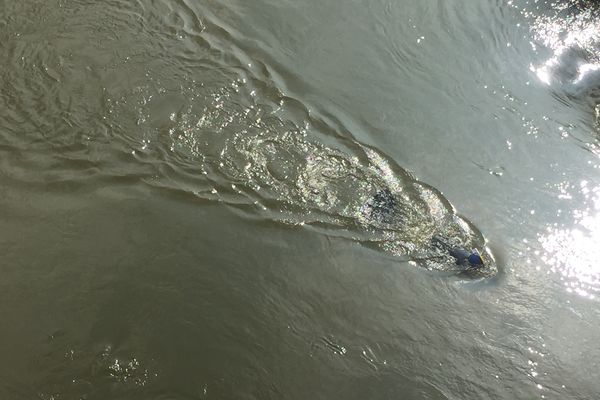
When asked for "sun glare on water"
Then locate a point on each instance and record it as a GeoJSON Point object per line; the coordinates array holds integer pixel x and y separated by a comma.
{"type": "Point", "coordinates": [572, 34]}
{"type": "Point", "coordinates": [574, 252]}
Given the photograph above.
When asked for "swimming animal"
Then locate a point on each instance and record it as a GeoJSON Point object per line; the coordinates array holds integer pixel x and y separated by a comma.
{"type": "Point", "coordinates": [383, 208]}
{"type": "Point", "coordinates": [463, 257]}
{"type": "Point", "coordinates": [257, 158]}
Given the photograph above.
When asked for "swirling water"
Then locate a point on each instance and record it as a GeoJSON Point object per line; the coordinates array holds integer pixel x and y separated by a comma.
{"type": "Point", "coordinates": [188, 199]}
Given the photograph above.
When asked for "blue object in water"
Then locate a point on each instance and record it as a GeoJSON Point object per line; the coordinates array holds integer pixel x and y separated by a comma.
{"type": "Point", "coordinates": [475, 259]}
{"type": "Point", "coordinates": [460, 254]}
{"type": "Point", "coordinates": [463, 256]}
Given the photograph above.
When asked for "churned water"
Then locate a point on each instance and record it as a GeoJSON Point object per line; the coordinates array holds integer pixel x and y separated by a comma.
{"type": "Point", "coordinates": [255, 200]}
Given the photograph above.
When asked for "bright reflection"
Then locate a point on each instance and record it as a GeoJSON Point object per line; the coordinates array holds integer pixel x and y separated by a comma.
{"type": "Point", "coordinates": [571, 30]}
{"type": "Point", "coordinates": [585, 70]}
{"type": "Point", "coordinates": [574, 253]}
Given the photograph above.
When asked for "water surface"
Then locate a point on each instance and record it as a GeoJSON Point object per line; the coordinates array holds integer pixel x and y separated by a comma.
{"type": "Point", "coordinates": [187, 196]}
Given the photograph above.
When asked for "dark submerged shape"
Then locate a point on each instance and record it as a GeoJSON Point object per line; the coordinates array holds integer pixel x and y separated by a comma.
{"type": "Point", "coordinates": [384, 210]}
{"type": "Point", "coordinates": [382, 206]}
{"type": "Point", "coordinates": [464, 257]}
{"type": "Point", "coordinates": [250, 146]}
{"type": "Point", "coordinates": [470, 262]}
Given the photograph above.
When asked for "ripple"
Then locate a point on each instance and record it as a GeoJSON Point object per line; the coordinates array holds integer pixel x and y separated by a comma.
{"type": "Point", "coordinates": [261, 151]}
{"type": "Point", "coordinates": [572, 251]}
{"type": "Point", "coordinates": [77, 373]}
{"type": "Point", "coordinates": [200, 114]}
{"type": "Point", "coordinates": [571, 32]}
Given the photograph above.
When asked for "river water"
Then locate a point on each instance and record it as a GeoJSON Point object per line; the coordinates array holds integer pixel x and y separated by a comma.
{"type": "Point", "coordinates": [239, 200]}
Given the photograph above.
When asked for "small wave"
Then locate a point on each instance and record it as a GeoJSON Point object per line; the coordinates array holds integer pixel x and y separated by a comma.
{"type": "Point", "coordinates": [571, 32]}
{"type": "Point", "coordinates": [213, 119]}
{"type": "Point", "coordinates": [238, 145]}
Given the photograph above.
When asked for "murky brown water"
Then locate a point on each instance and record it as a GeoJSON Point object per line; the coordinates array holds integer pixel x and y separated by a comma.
{"type": "Point", "coordinates": [244, 200]}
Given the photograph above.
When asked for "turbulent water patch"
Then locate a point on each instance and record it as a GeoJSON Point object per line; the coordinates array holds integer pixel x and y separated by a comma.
{"type": "Point", "coordinates": [569, 30]}
{"type": "Point", "coordinates": [245, 147]}
{"type": "Point", "coordinates": [213, 119]}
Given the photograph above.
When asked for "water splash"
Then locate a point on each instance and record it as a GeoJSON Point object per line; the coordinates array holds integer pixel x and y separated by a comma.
{"type": "Point", "coordinates": [570, 31]}
{"type": "Point", "coordinates": [266, 154]}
